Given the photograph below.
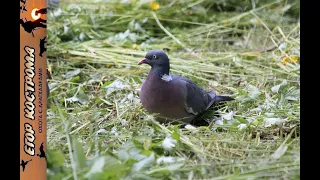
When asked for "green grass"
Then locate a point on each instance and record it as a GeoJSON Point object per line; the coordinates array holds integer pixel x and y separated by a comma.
{"type": "Point", "coordinates": [97, 127]}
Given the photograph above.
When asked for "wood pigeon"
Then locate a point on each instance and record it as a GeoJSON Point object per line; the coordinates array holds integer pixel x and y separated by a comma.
{"type": "Point", "coordinates": [172, 97]}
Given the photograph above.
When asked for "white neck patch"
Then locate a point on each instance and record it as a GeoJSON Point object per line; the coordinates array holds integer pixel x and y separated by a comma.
{"type": "Point", "coordinates": [166, 77]}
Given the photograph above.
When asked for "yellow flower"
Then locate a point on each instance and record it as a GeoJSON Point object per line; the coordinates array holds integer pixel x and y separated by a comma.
{"type": "Point", "coordinates": [50, 68]}
{"type": "Point", "coordinates": [155, 6]}
{"type": "Point", "coordinates": [49, 71]}
{"type": "Point", "coordinates": [285, 60]}
{"type": "Point", "coordinates": [134, 46]}
{"type": "Point", "coordinates": [294, 58]}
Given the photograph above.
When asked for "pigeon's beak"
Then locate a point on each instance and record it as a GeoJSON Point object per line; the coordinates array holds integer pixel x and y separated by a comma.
{"type": "Point", "coordinates": [145, 60]}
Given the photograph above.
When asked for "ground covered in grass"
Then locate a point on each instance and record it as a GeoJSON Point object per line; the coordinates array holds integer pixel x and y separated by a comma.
{"type": "Point", "coordinates": [98, 129]}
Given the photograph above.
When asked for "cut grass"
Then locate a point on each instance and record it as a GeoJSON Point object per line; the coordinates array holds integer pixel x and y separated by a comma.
{"type": "Point", "coordinates": [97, 127]}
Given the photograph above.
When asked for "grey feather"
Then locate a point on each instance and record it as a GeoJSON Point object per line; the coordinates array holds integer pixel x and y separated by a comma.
{"type": "Point", "coordinates": [196, 99]}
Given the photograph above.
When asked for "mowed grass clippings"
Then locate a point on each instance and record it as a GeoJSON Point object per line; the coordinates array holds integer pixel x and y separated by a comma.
{"type": "Point", "coordinates": [97, 127]}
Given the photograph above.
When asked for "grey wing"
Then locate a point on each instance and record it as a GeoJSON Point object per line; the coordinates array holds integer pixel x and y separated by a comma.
{"type": "Point", "coordinates": [197, 99]}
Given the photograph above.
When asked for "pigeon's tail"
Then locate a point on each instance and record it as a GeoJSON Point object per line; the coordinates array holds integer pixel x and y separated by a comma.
{"type": "Point", "coordinates": [222, 98]}
{"type": "Point", "coordinates": [217, 99]}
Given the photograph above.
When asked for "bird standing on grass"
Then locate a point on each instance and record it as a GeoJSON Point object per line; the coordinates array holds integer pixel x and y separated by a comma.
{"type": "Point", "coordinates": [173, 97]}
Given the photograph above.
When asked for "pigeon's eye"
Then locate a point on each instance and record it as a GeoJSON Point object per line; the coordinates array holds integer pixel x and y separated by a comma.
{"type": "Point", "coordinates": [154, 56]}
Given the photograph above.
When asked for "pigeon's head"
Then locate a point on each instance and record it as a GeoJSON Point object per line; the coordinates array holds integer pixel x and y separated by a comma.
{"type": "Point", "coordinates": [156, 58]}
